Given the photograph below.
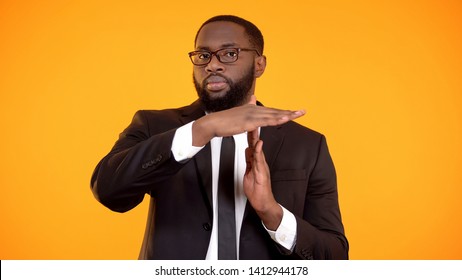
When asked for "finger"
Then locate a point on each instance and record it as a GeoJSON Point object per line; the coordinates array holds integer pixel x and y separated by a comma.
{"type": "Point", "coordinates": [271, 116]}
{"type": "Point", "coordinates": [290, 115]}
{"type": "Point", "coordinates": [252, 138]}
{"type": "Point", "coordinates": [259, 162]}
{"type": "Point", "coordinates": [248, 160]}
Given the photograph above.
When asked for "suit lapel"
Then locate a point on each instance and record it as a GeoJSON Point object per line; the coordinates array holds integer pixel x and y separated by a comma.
{"type": "Point", "coordinates": [272, 142]}
{"type": "Point", "coordinates": [192, 112]}
{"type": "Point", "coordinates": [202, 159]}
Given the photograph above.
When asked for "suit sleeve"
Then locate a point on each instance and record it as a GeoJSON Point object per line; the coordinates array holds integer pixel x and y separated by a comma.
{"type": "Point", "coordinates": [320, 232]}
{"type": "Point", "coordinates": [135, 164]}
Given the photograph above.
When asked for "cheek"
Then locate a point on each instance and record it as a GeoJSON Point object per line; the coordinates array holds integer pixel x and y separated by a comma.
{"type": "Point", "coordinates": [198, 74]}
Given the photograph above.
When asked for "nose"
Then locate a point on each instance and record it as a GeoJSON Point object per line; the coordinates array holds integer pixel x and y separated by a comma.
{"type": "Point", "coordinates": [214, 65]}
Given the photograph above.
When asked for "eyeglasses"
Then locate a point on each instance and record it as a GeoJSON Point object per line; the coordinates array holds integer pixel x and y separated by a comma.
{"type": "Point", "coordinates": [226, 55]}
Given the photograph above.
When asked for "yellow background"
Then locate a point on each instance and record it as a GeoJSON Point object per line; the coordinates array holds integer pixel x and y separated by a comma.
{"type": "Point", "coordinates": [381, 79]}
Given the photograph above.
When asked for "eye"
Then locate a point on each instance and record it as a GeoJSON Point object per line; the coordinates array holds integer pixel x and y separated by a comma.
{"type": "Point", "coordinates": [203, 55]}
{"type": "Point", "coordinates": [231, 53]}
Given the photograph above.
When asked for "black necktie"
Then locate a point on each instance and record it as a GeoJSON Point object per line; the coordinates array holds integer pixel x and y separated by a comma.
{"type": "Point", "coordinates": [226, 213]}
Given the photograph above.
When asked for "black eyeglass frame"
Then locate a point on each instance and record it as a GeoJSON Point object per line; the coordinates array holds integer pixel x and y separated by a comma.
{"type": "Point", "coordinates": [238, 50]}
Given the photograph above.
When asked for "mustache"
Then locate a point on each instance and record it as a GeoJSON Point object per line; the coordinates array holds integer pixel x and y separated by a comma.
{"type": "Point", "coordinates": [214, 75]}
{"type": "Point", "coordinates": [208, 77]}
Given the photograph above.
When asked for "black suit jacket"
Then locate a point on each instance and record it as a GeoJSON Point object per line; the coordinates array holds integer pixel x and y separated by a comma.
{"type": "Point", "coordinates": [180, 216]}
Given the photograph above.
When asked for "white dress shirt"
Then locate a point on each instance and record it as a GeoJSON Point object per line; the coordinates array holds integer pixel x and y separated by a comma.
{"type": "Point", "coordinates": [182, 149]}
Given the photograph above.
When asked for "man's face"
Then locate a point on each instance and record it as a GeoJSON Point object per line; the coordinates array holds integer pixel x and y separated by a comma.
{"type": "Point", "coordinates": [222, 86]}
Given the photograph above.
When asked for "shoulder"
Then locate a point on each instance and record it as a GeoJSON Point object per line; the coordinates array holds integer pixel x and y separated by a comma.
{"type": "Point", "coordinates": [169, 116]}
{"type": "Point", "coordinates": [294, 131]}
{"type": "Point", "coordinates": [293, 138]}
{"type": "Point", "coordinates": [151, 122]}
{"type": "Point", "coordinates": [168, 113]}
{"type": "Point", "coordinates": [293, 146]}
{"type": "Point", "coordinates": [298, 132]}
{"type": "Point", "coordinates": [299, 139]}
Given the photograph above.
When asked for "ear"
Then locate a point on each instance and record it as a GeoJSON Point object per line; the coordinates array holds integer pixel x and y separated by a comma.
{"type": "Point", "coordinates": [260, 65]}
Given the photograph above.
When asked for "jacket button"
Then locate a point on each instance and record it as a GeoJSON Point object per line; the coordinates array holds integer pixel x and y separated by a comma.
{"type": "Point", "coordinates": [207, 226]}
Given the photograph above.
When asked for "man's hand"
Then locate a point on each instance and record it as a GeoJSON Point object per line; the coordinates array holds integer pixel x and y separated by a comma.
{"type": "Point", "coordinates": [239, 119]}
{"type": "Point", "coordinates": [257, 183]}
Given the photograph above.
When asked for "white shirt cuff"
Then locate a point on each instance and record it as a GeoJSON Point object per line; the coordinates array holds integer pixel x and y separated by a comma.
{"type": "Point", "coordinates": [182, 148]}
{"type": "Point", "coordinates": [286, 234]}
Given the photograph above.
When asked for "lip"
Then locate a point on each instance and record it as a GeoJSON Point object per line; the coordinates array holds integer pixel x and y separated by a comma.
{"type": "Point", "coordinates": [216, 86]}
{"type": "Point", "coordinates": [216, 83]}
{"type": "Point", "coordinates": [215, 79]}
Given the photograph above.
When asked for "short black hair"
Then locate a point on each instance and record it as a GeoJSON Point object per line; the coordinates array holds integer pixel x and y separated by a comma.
{"type": "Point", "coordinates": [255, 35]}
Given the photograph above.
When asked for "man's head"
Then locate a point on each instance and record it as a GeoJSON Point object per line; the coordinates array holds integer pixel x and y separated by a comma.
{"type": "Point", "coordinates": [254, 34]}
{"type": "Point", "coordinates": [228, 58]}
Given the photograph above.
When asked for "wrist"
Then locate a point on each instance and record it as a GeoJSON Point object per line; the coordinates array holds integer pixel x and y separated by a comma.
{"type": "Point", "coordinates": [201, 133]}
{"type": "Point", "coordinates": [271, 217]}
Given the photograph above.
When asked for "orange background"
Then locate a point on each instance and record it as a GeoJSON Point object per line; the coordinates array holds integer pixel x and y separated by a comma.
{"type": "Point", "coordinates": [381, 80]}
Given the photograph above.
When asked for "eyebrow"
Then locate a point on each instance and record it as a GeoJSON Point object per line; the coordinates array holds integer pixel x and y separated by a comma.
{"type": "Point", "coordinates": [227, 45]}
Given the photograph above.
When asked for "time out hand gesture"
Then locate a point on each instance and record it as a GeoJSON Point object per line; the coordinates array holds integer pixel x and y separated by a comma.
{"type": "Point", "coordinates": [257, 180]}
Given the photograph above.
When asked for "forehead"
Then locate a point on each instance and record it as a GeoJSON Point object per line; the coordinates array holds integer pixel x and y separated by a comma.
{"type": "Point", "coordinates": [221, 34]}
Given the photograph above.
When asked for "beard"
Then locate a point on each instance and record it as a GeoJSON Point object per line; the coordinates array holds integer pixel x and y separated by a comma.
{"type": "Point", "coordinates": [237, 94]}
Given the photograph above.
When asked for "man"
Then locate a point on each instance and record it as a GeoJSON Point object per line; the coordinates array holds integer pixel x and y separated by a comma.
{"type": "Point", "coordinates": [283, 195]}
